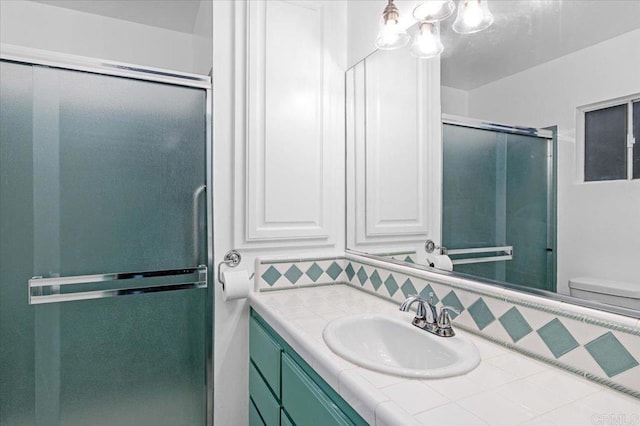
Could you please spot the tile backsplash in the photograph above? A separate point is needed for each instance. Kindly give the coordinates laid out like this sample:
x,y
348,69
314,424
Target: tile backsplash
x,y
287,273
601,347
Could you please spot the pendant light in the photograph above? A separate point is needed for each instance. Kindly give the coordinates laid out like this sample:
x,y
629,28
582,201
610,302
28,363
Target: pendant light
x,y
391,36
426,43
473,16
433,10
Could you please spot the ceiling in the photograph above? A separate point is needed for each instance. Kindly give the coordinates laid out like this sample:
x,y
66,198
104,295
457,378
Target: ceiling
x,y
176,15
525,32
528,33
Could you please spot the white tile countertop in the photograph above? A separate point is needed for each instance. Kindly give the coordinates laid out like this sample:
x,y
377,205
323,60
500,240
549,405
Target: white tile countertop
x,y
507,388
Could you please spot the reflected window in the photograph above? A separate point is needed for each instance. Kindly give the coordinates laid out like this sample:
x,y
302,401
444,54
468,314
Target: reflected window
x,y
636,136
609,152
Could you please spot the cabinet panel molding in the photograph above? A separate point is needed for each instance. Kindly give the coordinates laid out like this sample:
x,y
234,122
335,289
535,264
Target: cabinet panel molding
x,y
290,132
394,152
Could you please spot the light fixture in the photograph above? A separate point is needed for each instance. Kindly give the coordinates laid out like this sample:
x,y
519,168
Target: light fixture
x,y
473,16
391,36
426,43
433,10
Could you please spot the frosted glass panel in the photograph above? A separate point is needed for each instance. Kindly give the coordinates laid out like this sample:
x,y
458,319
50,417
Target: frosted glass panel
x,y
496,193
473,194
17,381
135,360
101,175
526,218
132,157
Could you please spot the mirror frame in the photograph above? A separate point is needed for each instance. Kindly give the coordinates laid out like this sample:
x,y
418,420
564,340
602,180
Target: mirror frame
x,y
599,306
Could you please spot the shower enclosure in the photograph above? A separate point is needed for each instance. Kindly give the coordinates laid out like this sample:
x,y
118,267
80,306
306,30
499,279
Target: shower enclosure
x,y
499,201
105,300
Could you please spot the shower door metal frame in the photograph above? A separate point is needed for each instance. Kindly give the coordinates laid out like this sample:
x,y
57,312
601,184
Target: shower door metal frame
x,y
551,141
28,56
457,120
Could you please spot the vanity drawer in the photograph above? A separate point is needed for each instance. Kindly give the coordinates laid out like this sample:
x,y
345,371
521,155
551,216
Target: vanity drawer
x,y
254,416
265,353
304,401
265,403
284,419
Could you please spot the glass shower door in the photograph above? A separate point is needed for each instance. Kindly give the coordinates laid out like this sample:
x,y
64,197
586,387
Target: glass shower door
x,y
497,192
473,195
102,175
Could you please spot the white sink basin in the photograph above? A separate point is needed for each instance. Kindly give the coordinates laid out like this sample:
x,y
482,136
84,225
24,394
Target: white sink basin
x,y
391,344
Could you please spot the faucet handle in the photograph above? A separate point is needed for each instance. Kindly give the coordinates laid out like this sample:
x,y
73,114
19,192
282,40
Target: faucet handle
x,y
444,320
421,310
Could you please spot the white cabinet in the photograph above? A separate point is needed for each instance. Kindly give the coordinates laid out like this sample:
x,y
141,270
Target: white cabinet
x,y
393,151
289,123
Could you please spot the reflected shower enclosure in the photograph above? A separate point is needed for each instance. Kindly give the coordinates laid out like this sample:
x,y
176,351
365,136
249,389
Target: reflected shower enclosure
x,y
498,190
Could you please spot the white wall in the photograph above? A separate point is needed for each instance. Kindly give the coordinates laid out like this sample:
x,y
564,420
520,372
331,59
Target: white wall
x,y
269,161
598,226
454,101
203,38
45,27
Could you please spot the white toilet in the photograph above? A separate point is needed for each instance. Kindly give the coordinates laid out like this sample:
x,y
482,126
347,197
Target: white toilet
x,y
616,293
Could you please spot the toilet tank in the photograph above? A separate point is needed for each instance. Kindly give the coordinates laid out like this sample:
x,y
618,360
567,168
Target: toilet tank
x,y
616,293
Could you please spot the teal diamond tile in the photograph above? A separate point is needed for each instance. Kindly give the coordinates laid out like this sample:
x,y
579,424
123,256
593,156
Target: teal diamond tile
x,y
408,259
350,272
408,288
427,294
515,324
362,276
557,338
334,271
314,272
391,285
293,274
271,275
376,280
452,300
610,354
481,314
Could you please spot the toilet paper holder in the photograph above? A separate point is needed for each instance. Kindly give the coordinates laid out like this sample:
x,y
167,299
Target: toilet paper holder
x,y
430,246
231,259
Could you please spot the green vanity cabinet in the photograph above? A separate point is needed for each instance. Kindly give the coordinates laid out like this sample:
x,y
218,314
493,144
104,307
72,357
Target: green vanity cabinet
x,y
266,403
284,419
254,416
285,390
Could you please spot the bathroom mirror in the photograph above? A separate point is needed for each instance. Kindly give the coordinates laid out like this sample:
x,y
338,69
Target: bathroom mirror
x,y
483,151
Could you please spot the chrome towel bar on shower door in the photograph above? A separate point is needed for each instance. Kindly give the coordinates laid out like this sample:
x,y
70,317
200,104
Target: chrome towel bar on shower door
x,y
48,290
507,254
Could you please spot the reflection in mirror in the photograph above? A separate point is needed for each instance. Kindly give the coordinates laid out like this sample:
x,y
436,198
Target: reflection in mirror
x,y
498,190
515,202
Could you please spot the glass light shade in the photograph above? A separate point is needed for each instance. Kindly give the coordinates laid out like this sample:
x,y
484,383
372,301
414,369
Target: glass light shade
x,y
433,10
473,16
391,36
426,43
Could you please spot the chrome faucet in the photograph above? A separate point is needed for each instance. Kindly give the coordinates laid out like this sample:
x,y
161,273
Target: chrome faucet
x,y
427,317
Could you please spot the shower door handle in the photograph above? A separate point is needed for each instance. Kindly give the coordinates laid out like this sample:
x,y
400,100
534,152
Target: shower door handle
x,y
66,289
196,221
